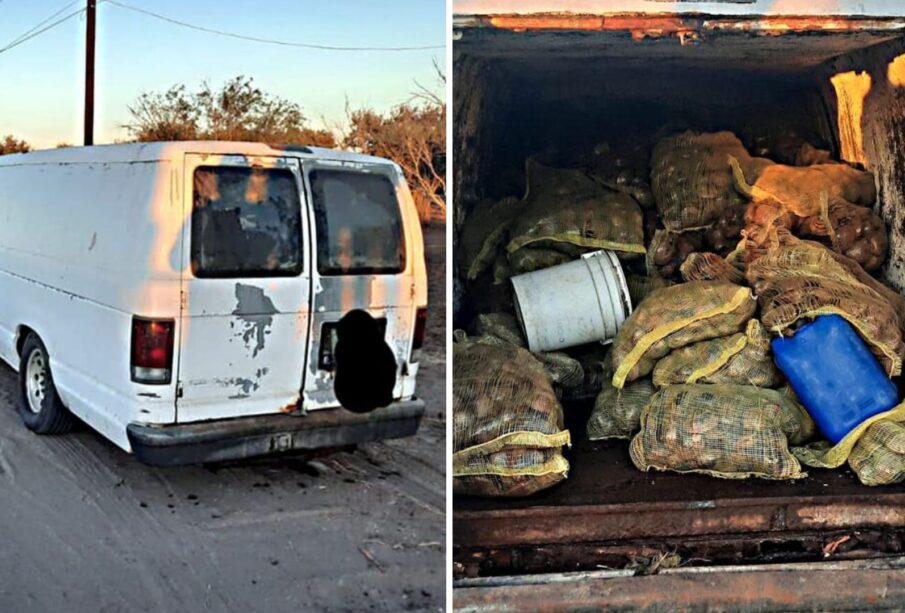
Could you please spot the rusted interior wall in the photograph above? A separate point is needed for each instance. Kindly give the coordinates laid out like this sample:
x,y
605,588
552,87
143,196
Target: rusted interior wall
x,y
477,93
479,88
883,128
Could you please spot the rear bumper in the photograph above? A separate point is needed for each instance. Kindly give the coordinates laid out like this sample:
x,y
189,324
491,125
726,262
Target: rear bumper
x,y
246,437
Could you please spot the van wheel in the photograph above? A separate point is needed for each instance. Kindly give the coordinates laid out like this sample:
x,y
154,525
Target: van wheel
x,y
39,405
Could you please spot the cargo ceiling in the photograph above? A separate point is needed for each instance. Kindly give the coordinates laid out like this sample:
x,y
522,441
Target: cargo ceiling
x,y
551,42
731,7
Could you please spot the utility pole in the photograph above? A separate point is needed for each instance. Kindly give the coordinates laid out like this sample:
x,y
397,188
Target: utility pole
x,y
89,73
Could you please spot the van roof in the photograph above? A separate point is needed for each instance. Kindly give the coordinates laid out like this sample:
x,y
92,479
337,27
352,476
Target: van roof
x,y
150,152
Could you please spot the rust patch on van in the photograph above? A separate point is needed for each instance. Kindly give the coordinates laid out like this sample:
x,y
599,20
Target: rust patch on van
x,y
255,310
291,407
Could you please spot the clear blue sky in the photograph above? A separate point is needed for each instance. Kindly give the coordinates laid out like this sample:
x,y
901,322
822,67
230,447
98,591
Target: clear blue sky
x,y
41,81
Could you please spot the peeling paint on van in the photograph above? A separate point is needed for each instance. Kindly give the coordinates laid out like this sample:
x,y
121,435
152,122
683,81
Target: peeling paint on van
x,y
256,312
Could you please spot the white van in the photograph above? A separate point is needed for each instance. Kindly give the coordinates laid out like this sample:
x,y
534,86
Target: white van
x,y
182,298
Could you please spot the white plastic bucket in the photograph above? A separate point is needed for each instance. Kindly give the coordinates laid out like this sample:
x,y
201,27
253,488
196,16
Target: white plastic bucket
x,y
574,303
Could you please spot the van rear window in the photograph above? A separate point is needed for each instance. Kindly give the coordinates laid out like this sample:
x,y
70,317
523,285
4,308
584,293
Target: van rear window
x,y
359,224
246,222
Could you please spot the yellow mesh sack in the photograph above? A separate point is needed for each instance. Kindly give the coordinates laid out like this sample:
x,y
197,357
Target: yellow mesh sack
x,y
710,267
502,270
727,431
691,178
640,286
503,326
786,301
668,250
878,458
676,316
507,422
800,189
561,368
740,358
857,271
787,255
594,362
617,412
529,259
822,455
797,280
485,235
566,206
855,231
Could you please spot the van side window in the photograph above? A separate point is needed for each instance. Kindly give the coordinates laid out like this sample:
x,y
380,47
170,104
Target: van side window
x,y
359,223
246,222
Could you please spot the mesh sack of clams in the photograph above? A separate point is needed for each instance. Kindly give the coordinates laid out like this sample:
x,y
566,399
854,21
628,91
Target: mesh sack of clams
x,y
878,457
617,412
676,316
739,358
485,235
668,250
710,267
594,362
529,259
562,369
764,219
798,280
627,170
508,429
723,235
691,178
800,189
792,299
566,207
823,454
728,431
503,326
641,286
854,231
785,255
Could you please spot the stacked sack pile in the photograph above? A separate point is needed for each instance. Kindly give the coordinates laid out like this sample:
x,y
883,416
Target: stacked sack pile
x,y
694,381
723,252
510,443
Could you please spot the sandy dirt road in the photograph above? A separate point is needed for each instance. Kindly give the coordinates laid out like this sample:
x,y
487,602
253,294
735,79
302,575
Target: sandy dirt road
x,y
84,527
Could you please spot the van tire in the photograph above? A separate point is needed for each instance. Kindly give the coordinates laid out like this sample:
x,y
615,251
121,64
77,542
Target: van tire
x,y
52,417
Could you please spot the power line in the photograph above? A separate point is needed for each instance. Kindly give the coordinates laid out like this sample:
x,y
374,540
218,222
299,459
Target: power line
x,y
24,39
41,23
267,40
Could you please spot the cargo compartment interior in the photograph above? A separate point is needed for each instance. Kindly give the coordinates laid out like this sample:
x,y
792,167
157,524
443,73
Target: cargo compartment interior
x,y
561,93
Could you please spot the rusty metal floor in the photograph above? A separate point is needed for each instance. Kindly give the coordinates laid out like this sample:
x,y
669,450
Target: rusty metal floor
x,y
608,510
602,473
876,585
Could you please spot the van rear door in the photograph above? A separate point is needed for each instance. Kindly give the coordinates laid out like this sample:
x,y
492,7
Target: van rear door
x,y
366,256
246,287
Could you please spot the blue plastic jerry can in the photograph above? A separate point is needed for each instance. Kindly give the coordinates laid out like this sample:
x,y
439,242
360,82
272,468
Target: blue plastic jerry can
x,y
834,374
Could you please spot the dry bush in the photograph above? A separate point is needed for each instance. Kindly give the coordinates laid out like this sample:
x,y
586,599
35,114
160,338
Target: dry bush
x,y
413,134
10,144
238,111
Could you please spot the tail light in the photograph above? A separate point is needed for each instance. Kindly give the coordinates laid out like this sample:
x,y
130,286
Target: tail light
x,y
420,327
152,350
